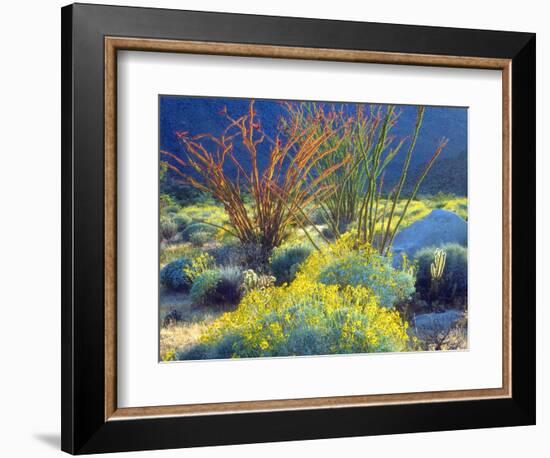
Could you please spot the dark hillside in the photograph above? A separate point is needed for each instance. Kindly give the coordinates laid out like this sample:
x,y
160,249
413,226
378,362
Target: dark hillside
x,y
198,115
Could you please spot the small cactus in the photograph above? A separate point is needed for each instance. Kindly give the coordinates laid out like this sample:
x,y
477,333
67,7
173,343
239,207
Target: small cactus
x,y
251,280
437,267
265,281
436,270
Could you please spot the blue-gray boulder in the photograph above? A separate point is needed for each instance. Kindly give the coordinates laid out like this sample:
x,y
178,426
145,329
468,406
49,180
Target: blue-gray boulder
x,y
438,228
434,323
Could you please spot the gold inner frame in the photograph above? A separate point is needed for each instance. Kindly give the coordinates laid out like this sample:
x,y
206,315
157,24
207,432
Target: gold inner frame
x,y
114,44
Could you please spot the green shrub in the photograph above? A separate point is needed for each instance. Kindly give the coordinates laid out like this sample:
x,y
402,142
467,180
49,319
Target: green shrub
x,y
285,262
229,286
217,287
223,349
197,227
452,288
303,318
198,265
226,254
173,209
168,228
168,204
182,221
203,291
199,238
173,276
247,255
195,352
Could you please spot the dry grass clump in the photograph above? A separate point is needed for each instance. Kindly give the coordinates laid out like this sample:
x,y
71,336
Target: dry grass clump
x,y
181,335
178,335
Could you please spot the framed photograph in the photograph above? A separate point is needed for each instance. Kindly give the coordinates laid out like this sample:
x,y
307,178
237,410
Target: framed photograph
x,y
281,229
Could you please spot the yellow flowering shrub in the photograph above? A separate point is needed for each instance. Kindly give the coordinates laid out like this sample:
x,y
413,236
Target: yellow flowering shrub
x,y
303,318
169,355
198,266
458,205
346,263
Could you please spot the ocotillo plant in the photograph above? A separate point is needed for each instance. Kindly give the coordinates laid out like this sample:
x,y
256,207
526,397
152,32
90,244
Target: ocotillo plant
x,y
339,208
384,242
359,186
282,194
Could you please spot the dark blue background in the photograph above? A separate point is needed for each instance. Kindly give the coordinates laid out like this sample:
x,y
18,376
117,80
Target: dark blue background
x,y
199,115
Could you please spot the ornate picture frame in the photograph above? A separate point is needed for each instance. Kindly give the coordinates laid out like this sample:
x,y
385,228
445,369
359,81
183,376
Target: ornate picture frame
x,y
92,37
